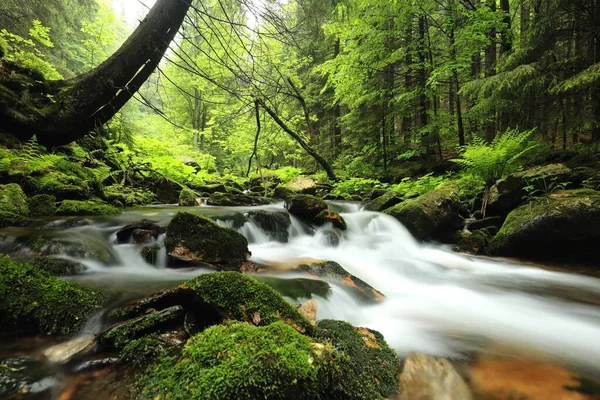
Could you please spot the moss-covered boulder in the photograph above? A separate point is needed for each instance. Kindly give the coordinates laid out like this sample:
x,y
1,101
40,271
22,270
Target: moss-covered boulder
x,y
305,206
234,200
476,242
187,198
13,205
241,361
195,240
89,207
282,192
35,302
63,186
330,216
150,254
56,266
562,225
42,205
383,202
127,195
369,369
433,216
274,224
242,298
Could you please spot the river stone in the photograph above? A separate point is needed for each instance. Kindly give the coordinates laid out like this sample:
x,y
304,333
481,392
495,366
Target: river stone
x,y
303,185
564,224
474,225
508,192
195,240
383,202
429,378
274,224
13,205
65,352
187,198
433,216
305,206
332,217
125,233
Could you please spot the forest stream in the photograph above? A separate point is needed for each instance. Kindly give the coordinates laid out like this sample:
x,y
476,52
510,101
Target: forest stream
x,y
530,325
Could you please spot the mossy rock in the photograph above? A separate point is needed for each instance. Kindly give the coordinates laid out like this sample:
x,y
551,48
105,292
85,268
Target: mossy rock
x,y
383,202
187,198
63,186
150,254
330,216
35,302
234,200
562,225
89,207
241,361
476,242
432,216
369,370
42,205
243,298
274,224
195,240
128,196
305,206
13,205
58,266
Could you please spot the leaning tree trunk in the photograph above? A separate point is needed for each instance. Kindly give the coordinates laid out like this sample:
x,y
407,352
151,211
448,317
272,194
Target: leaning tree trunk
x,y
64,111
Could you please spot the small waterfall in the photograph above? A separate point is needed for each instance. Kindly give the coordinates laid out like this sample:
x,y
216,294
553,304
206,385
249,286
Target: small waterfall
x,y
253,233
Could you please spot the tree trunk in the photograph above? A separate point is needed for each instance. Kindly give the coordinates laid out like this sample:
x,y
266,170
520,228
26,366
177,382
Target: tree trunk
x,y
491,56
596,91
88,101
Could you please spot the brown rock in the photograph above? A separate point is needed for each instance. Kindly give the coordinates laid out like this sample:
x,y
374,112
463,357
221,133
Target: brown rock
x,y
309,311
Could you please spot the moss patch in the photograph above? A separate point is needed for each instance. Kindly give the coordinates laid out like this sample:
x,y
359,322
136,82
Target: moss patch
x,y
35,302
13,205
240,361
187,198
42,205
58,266
243,298
90,207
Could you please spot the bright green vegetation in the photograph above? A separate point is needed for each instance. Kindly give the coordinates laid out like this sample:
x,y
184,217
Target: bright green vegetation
x,y
197,239
42,205
35,302
13,205
89,207
57,266
243,298
242,361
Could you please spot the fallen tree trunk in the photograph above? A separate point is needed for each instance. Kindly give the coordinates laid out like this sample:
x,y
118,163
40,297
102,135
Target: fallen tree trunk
x,y
62,111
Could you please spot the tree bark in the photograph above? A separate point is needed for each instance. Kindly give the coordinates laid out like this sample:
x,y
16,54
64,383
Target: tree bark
x,y
88,101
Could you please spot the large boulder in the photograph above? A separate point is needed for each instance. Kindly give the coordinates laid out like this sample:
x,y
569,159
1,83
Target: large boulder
x,y
42,205
384,201
561,225
305,206
508,192
187,198
37,303
13,205
432,216
425,377
137,230
274,224
195,240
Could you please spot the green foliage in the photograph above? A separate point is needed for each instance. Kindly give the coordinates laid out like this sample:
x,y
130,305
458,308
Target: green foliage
x,y
286,174
542,185
89,207
241,361
497,159
410,188
356,186
35,302
13,205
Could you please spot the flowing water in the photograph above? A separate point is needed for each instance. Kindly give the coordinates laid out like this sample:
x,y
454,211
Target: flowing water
x,y
436,301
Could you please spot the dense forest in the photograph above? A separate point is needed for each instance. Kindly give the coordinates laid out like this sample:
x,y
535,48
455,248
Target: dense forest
x,y
373,158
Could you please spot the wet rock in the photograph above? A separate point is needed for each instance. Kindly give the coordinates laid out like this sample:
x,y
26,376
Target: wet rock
x,y
232,221
309,310
562,225
157,301
370,367
142,236
274,224
297,289
331,269
58,266
22,375
168,192
474,225
187,198
66,352
35,302
150,254
116,337
386,200
42,205
124,235
281,192
93,365
425,377
508,192
13,205
195,240
333,217
377,193
476,242
305,206
432,216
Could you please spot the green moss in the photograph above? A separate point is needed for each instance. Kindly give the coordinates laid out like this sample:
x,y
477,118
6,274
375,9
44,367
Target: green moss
x,y
63,186
145,352
57,266
193,238
150,254
90,207
305,206
187,198
128,196
241,361
42,205
383,202
35,302
298,288
243,298
370,368
13,205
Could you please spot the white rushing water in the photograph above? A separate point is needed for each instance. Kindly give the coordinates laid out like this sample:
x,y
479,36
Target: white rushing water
x,y
437,302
